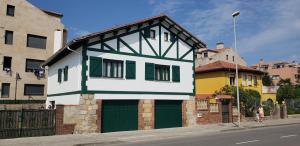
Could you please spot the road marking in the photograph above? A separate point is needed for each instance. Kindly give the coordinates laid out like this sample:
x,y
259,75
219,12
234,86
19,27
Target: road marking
x,y
287,136
250,141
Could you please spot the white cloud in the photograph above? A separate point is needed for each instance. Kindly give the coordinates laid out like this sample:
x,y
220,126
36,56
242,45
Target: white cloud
x,y
78,32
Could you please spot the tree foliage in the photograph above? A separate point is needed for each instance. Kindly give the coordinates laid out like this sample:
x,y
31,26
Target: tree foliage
x,y
286,90
266,80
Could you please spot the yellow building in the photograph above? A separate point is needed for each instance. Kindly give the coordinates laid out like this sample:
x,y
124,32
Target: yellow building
x,y
211,78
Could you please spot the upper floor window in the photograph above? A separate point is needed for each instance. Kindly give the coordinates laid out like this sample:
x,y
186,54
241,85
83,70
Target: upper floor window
x,y
162,72
152,34
5,90
34,89
233,58
8,38
232,80
10,10
7,63
112,68
166,36
244,81
249,80
36,41
32,65
255,80
205,54
227,57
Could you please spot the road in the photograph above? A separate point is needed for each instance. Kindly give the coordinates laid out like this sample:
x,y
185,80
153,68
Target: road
x,y
271,136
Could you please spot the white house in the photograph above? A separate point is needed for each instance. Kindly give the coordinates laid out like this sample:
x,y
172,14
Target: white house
x,y
150,61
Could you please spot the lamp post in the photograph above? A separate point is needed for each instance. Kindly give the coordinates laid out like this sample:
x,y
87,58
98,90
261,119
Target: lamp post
x,y
234,15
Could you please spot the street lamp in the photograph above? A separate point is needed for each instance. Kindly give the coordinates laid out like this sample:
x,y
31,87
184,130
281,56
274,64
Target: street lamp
x,y
17,78
234,15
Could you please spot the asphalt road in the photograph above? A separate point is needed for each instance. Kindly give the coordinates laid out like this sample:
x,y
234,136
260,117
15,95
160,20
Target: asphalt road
x,y
271,136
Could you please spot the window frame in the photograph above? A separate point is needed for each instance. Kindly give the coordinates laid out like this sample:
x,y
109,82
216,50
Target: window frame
x,y
8,7
111,70
5,63
2,89
27,59
249,82
152,32
41,85
203,107
6,41
230,76
166,36
216,105
36,36
164,72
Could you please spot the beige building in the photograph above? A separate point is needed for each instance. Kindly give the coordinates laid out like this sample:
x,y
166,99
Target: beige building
x,y
280,70
29,36
220,53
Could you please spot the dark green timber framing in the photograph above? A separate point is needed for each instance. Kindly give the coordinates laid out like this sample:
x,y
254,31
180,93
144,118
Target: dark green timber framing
x,y
169,48
159,32
84,68
194,76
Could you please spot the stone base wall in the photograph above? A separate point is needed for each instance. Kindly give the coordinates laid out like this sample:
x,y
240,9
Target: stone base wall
x,y
146,114
189,110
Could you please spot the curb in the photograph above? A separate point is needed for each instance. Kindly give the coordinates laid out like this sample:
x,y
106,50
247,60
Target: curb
x,y
256,127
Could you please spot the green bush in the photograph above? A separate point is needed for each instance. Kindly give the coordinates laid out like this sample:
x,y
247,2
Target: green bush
x,y
267,110
291,111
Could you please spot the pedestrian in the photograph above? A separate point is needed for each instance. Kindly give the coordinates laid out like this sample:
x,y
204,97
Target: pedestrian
x,y
261,113
257,115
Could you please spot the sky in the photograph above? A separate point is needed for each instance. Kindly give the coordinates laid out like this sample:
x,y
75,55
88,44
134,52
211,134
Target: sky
x,y
268,29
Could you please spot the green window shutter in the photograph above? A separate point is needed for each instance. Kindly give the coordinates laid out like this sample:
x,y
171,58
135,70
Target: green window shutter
x,y
175,73
172,37
149,71
130,69
66,73
147,33
59,75
95,66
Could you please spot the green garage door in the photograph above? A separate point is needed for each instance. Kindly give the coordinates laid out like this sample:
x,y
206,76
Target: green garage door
x,y
119,115
168,113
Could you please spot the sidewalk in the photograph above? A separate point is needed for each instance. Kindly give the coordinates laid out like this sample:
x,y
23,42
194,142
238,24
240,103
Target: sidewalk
x,y
142,135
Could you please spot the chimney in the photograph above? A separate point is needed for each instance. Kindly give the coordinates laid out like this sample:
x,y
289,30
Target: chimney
x,y
220,45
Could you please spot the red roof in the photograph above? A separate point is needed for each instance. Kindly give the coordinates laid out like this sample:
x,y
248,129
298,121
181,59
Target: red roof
x,y
224,66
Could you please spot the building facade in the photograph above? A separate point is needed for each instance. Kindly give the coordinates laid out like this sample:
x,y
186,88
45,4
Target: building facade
x,y
280,70
135,76
211,78
30,36
220,53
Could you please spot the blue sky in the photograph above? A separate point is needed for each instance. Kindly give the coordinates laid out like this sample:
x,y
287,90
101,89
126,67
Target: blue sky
x,y
268,29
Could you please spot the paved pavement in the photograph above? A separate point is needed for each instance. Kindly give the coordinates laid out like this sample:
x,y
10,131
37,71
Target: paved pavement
x,y
130,137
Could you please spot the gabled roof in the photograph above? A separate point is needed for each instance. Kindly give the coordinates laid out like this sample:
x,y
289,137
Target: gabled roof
x,y
52,13
224,66
163,18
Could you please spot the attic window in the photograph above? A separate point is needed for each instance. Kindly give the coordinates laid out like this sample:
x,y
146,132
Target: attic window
x,y
205,55
166,36
152,34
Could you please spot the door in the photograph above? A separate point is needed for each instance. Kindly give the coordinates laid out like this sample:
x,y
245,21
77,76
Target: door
x,y
119,115
168,113
225,111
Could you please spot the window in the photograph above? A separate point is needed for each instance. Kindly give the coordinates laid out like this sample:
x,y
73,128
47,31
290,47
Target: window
x,y
233,58
275,77
130,69
9,36
147,33
205,55
213,107
35,41
172,37
66,73
249,80
175,73
227,57
32,64
166,36
232,80
112,68
201,104
255,80
244,82
34,89
152,34
7,63
10,10
162,72
5,90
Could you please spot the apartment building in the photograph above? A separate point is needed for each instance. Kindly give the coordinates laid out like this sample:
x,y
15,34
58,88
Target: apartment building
x,y
280,70
220,53
29,35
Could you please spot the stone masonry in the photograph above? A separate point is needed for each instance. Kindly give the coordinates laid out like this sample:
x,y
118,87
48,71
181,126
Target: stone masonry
x,y
146,114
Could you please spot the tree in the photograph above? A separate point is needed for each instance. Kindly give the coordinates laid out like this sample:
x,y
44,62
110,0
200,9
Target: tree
x,y
266,80
284,82
285,91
